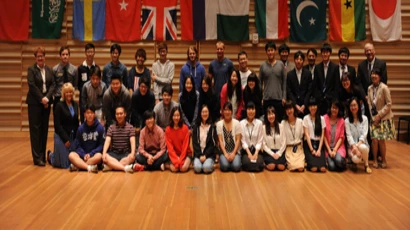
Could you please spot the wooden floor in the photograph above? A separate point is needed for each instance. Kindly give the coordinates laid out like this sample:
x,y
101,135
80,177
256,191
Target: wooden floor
x,y
47,198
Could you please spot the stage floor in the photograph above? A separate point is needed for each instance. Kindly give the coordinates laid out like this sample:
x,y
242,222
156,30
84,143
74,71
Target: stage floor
x,y
47,198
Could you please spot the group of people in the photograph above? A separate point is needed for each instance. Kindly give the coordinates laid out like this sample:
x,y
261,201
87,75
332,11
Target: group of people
x,y
290,116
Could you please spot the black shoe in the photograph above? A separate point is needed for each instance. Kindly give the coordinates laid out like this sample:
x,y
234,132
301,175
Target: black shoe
x,y
40,163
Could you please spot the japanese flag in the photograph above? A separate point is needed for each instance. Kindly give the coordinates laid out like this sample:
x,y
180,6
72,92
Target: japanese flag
x,y
385,20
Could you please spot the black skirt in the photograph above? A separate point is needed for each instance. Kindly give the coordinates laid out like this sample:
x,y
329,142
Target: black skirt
x,y
314,161
270,160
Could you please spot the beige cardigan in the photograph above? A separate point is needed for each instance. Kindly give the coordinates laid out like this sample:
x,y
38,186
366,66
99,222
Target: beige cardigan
x,y
383,101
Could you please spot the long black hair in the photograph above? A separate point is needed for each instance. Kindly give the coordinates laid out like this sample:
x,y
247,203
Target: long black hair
x,y
359,111
318,122
271,109
210,91
256,90
237,88
188,96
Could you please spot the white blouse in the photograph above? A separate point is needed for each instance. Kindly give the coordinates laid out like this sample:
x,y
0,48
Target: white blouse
x,y
308,123
293,133
252,134
357,132
274,141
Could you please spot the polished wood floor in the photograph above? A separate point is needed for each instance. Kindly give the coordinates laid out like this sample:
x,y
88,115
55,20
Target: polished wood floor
x,y
48,198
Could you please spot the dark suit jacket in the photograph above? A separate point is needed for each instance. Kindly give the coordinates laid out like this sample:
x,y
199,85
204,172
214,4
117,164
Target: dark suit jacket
x,y
363,73
299,93
35,85
64,123
325,87
351,70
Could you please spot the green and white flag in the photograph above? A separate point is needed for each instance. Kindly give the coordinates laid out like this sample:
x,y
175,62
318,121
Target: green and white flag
x,y
47,17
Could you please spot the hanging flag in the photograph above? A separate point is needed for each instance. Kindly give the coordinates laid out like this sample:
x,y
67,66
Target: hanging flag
x,y
47,17
159,20
385,20
192,19
215,19
271,18
14,21
307,20
233,20
89,20
347,20
123,20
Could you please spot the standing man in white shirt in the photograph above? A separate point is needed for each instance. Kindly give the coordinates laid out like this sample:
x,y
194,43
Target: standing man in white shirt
x,y
162,72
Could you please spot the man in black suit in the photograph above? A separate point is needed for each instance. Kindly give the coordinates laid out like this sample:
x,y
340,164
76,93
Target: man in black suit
x,y
344,54
311,57
325,81
298,85
41,85
365,67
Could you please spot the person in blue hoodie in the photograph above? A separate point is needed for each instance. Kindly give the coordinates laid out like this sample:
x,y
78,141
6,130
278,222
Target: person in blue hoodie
x,y
88,144
192,68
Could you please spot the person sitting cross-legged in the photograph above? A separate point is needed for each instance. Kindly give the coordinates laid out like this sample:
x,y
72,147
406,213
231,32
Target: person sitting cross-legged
x,y
88,143
152,149
119,146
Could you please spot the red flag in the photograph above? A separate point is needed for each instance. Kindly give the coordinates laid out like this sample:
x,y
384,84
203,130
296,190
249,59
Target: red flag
x,y
159,20
385,20
14,20
123,20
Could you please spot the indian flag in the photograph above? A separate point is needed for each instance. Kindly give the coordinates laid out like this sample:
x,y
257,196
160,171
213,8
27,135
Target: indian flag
x,y
347,20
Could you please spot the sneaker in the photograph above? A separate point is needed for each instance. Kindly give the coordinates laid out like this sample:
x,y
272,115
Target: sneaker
x,y
129,168
93,168
106,168
73,168
138,167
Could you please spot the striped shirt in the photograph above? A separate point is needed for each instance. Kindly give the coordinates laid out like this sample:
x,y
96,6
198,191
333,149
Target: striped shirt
x,y
120,137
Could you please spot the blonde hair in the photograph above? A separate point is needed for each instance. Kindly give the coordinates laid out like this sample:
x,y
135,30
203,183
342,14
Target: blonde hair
x,y
39,49
67,87
220,43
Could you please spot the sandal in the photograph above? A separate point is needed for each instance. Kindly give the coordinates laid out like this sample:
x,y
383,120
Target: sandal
x,y
375,164
384,165
367,169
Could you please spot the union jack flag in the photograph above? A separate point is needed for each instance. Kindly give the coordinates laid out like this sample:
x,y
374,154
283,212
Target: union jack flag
x,y
159,20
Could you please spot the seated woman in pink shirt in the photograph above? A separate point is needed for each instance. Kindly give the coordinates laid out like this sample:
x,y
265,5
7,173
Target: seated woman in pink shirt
x,y
335,138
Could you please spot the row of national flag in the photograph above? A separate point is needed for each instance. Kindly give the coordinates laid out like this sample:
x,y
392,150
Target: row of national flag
x,y
131,20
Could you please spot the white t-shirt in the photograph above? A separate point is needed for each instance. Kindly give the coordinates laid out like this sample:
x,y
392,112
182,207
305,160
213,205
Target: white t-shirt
x,y
308,123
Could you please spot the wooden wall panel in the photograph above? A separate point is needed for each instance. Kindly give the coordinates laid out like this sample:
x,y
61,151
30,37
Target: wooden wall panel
x,y
16,57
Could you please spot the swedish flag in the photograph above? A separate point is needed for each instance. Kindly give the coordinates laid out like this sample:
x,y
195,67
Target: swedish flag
x,y
89,20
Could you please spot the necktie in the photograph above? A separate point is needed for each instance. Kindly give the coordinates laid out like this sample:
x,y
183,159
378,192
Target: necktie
x,y
370,71
65,75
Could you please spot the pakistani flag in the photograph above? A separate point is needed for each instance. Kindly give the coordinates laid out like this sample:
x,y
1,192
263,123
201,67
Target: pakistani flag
x,y
47,17
308,20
